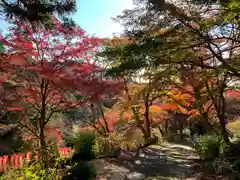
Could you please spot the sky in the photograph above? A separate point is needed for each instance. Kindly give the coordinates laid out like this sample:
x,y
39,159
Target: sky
x,y
94,16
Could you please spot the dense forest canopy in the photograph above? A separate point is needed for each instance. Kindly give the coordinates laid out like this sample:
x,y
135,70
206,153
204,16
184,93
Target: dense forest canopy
x,y
173,72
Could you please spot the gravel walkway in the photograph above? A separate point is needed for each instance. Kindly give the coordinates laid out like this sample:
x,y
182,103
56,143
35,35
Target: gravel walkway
x,y
165,162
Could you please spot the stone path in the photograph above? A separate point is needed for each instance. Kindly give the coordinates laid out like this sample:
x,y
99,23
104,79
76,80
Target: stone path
x,y
165,162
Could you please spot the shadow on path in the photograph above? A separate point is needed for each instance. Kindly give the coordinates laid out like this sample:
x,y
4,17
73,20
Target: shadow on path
x,y
168,161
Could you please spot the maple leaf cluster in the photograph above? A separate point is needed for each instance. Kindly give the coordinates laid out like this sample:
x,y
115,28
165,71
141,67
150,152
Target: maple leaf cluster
x,y
50,64
183,100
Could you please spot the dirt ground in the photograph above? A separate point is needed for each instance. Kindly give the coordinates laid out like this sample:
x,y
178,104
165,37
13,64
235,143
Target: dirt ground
x,y
162,162
165,162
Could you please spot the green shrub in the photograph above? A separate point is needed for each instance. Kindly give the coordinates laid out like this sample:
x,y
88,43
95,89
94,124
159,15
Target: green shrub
x,y
12,174
211,146
222,165
84,146
83,170
32,172
233,155
84,152
69,141
106,146
236,164
37,172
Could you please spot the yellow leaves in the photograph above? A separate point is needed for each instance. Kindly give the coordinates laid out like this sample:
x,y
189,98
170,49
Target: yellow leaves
x,y
182,100
177,101
194,112
135,88
179,96
182,109
157,113
124,40
121,112
185,96
133,97
155,109
174,107
118,41
159,32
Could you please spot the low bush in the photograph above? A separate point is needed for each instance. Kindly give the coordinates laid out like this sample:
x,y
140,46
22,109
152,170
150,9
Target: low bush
x,y
233,155
84,151
211,146
220,157
32,172
37,172
12,174
221,165
83,170
107,146
84,146
87,145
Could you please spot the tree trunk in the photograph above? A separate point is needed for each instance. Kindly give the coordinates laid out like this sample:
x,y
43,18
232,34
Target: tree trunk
x,y
224,130
42,123
43,147
222,117
166,129
146,118
135,111
161,131
147,142
181,128
107,131
220,107
222,111
44,159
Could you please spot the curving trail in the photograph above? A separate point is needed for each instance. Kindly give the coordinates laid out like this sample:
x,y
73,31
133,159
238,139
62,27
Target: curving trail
x,y
165,162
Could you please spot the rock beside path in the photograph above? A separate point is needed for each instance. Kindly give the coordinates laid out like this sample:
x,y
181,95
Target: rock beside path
x,y
135,176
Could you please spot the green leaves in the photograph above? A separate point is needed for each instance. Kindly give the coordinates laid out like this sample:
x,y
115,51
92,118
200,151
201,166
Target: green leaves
x,y
234,4
37,11
1,48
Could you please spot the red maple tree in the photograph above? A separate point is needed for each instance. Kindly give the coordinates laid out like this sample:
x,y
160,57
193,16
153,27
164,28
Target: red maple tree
x,y
53,70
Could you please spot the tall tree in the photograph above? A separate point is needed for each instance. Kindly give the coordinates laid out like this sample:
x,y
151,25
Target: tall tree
x,y
36,10
180,34
53,71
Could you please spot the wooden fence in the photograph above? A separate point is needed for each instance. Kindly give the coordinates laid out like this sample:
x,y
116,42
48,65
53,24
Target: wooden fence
x,y
18,160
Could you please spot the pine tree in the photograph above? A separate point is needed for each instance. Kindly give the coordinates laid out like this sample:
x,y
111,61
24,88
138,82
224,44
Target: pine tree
x,y
37,10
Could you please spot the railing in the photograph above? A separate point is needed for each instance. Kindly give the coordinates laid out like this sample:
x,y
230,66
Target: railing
x,y
18,160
